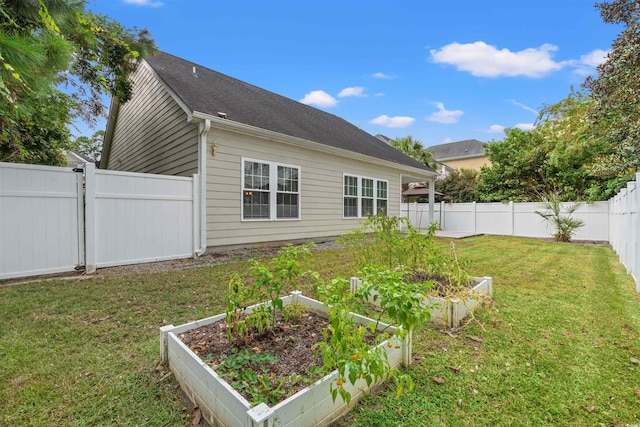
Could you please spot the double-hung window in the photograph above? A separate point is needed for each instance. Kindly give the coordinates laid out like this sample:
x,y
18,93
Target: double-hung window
x,y
271,191
364,197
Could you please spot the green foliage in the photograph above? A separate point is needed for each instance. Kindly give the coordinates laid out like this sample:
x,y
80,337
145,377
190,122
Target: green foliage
x,y
380,242
564,224
344,347
459,186
398,299
615,91
37,133
271,281
414,149
90,147
49,43
237,299
258,383
294,312
555,157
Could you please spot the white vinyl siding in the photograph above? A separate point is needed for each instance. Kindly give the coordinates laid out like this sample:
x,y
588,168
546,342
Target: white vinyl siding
x,y
270,191
152,134
364,197
320,192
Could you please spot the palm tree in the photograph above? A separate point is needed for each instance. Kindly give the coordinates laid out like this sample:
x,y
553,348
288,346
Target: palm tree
x,y
414,149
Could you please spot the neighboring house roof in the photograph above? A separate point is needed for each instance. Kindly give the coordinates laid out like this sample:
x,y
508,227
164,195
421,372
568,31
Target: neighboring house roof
x,y
384,138
75,158
468,148
206,91
418,191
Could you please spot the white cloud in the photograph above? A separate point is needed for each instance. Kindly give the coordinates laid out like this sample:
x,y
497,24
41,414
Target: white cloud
x,y
382,76
447,140
495,129
525,126
379,94
483,60
357,91
587,64
392,122
150,3
319,98
445,116
524,107
594,58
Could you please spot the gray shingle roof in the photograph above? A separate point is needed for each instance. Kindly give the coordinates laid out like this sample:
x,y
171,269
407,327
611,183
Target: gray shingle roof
x,y
210,92
457,150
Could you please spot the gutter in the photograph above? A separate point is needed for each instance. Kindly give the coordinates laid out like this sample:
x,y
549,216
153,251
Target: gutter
x,y
226,124
203,130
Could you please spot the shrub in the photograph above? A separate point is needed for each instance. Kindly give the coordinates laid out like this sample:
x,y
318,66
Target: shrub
x,y
564,224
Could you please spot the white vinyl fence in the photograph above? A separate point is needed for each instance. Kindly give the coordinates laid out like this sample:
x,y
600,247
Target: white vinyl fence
x,y
624,227
40,218
56,220
508,219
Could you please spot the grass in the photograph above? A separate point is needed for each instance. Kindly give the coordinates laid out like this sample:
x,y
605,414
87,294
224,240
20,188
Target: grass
x,y
554,348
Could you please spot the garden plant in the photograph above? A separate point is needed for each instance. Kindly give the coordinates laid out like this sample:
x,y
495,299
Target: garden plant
x,y
564,224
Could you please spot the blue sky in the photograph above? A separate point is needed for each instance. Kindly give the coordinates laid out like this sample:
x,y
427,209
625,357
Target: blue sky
x,y
440,71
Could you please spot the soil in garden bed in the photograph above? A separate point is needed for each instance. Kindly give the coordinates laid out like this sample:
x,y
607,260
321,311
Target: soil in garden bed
x,y
441,285
267,380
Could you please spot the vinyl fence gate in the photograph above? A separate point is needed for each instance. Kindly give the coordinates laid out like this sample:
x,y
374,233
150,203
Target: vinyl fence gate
x,y
55,219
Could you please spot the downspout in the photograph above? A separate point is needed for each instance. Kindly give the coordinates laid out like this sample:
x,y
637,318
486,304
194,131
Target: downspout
x,y
203,130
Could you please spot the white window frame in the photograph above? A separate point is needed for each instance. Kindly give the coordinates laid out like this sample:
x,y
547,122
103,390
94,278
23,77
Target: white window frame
x,y
359,196
273,190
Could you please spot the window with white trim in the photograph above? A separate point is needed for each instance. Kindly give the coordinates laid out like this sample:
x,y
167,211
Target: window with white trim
x,y
271,191
381,200
364,197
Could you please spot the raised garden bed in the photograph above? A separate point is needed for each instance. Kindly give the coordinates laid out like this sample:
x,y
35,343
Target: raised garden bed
x,y
221,405
450,312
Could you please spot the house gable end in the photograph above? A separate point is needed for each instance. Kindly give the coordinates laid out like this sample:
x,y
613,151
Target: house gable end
x,y
152,132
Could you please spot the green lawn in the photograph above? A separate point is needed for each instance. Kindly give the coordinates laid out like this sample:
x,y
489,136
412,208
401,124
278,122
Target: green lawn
x,y
555,348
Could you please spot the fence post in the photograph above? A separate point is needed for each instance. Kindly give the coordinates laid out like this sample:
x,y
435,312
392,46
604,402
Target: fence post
x,y
90,218
475,218
442,215
512,225
636,239
195,186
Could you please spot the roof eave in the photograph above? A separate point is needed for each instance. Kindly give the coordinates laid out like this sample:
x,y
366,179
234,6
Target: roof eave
x,y
304,143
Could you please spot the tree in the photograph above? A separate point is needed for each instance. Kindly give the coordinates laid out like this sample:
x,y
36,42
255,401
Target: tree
x,y
615,111
555,157
414,149
459,186
49,43
90,147
514,174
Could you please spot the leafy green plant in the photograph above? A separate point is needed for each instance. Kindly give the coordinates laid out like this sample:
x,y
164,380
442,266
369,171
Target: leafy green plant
x,y
378,240
271,281
236,304
381,242
563,223
350,348
399,300
250,373
346,350
294,312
